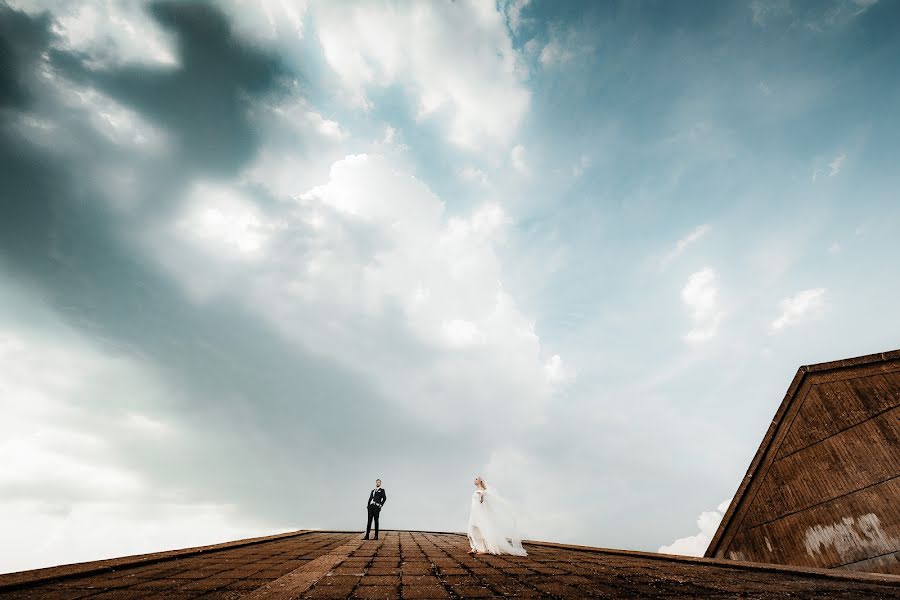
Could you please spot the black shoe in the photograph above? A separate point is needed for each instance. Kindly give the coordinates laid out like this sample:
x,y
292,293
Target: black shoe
x,y
367,537
376,537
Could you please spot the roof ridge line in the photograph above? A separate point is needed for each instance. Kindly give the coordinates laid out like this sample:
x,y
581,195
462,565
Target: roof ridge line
x,y
865,359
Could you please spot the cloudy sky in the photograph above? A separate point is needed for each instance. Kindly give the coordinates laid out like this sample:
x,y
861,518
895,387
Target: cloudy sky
x,y
255,254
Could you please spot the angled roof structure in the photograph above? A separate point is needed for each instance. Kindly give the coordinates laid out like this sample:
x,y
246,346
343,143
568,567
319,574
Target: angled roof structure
x,y
824,487
425,565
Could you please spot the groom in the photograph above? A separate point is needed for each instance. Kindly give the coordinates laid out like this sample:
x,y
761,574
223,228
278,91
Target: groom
x,y
377,498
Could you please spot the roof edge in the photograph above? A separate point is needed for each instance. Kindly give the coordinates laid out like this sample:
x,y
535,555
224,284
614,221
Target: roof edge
x,y
857,361
765,445
733,564
761,452
9,581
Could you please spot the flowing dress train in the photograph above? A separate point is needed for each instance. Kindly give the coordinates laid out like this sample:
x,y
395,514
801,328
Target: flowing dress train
x,y
492,525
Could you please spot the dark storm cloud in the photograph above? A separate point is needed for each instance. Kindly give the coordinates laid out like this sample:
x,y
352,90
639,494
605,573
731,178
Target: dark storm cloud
x,y
21,41
263,416
202,103
204,100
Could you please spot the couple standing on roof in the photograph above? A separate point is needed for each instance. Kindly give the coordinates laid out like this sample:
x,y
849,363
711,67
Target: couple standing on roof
x,y
492,527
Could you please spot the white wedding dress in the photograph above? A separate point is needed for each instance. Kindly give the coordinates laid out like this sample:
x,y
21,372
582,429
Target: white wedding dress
x,y
492,525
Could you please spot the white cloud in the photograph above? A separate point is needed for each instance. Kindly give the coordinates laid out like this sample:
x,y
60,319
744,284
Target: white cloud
x,y
558,373
836,15
298,116
389,134
864,4
513,10
107,32
65,494
554,54
44,387
831,169
48,533
834,167
517,158
371,253
443,271
695,545
473,174
219,233
764,10
285,167
487,221
559,49
29,460
460,333
584,161
682,244
221,220
455,59
801,305
267,20
701,297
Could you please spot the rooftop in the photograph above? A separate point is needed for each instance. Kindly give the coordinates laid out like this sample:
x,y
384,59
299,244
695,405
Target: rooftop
x,y
424,565
825,473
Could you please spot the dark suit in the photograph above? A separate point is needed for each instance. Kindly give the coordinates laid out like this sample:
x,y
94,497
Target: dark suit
x,y
377,498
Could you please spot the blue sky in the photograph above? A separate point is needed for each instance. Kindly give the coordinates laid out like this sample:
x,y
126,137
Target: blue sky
x,y
254,255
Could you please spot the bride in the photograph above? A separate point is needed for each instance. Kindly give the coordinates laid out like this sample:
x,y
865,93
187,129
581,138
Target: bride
x,y
492,524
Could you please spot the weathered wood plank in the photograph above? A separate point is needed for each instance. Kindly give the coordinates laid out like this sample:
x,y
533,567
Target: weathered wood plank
x,y
847,530
887,563
851,460
834,406
822,489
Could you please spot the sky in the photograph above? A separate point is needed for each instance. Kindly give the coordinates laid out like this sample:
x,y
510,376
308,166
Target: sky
x,y
254,255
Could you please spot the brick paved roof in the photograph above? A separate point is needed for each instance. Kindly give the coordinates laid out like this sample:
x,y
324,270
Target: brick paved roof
x,y
424,565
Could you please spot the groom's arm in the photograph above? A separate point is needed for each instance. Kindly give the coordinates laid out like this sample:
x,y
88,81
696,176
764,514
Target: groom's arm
x,y
384,497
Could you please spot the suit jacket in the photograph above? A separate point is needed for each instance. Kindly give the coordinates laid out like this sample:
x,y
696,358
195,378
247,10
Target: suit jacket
x,y
378,496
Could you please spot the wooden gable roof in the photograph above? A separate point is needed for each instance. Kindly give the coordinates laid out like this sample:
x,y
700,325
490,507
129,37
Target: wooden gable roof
x,y
824,487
